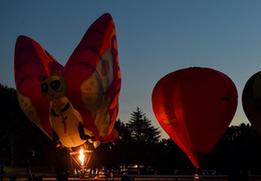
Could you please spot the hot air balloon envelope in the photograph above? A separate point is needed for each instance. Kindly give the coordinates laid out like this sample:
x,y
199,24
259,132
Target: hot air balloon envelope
x,y
195,106
78,101
251,100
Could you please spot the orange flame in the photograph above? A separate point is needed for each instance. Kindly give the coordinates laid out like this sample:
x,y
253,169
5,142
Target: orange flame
x,y
81,156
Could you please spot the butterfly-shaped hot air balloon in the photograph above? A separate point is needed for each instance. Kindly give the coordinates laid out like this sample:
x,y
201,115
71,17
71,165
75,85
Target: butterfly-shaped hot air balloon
x,y
195,106
78,101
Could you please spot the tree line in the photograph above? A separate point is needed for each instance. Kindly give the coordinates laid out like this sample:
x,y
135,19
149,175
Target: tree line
x,y
139,145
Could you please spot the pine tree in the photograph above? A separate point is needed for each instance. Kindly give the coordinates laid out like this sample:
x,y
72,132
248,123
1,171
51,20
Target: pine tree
x,y
141,128
144,138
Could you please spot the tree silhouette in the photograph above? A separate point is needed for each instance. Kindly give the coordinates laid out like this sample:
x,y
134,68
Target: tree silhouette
x,y
20,139
141,128
138,144
144,138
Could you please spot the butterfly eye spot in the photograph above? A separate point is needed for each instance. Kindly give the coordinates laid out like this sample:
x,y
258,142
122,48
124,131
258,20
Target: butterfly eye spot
x,y
44,87
55,85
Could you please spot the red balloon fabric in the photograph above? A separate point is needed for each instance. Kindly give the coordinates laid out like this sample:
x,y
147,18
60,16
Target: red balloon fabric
x,y
85,91
195,106
251,100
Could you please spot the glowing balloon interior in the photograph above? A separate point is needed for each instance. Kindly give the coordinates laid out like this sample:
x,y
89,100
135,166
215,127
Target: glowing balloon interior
x,y
251,100
195,106
78,101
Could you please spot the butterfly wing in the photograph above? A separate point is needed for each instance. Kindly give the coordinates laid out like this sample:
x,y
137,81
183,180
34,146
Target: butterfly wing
x,y
93,77
31,62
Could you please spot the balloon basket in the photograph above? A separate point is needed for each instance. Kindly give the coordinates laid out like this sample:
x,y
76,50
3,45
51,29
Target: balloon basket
x,y
81,156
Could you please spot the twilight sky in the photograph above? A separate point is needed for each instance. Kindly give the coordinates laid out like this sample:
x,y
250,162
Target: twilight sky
x,y
155,37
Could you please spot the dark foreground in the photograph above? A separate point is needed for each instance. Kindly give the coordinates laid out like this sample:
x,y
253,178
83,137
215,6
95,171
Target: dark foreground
x,y
140,178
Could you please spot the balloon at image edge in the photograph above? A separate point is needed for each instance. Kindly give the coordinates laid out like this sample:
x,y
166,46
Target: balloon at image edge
x,y
83,93
251,100
195,107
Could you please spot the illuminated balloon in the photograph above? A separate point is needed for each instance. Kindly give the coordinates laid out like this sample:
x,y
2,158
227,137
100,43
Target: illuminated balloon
x,y
78,101
251,100
195,106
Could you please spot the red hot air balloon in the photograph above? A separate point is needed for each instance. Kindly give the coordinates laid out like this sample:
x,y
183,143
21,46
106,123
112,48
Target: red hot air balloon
x,y
251,100
78,101
195,106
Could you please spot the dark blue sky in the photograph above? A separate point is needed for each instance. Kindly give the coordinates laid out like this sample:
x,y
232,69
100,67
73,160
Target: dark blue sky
x,y
155,37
